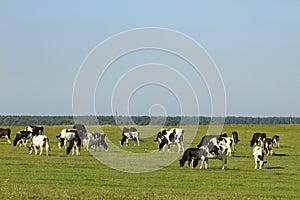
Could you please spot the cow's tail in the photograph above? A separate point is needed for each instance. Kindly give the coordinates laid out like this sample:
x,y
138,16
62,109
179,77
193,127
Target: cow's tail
x,y
46,140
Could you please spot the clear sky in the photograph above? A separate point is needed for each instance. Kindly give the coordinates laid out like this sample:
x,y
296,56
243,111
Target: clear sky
x,y
255,45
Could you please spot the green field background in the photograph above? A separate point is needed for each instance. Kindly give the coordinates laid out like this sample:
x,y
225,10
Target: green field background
x,y
61,176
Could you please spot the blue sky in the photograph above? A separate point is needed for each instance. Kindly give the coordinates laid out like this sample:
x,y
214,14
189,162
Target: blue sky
x,y
255,45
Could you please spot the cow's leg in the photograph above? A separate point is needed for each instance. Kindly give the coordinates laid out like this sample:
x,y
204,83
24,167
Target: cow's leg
x,y
35,150
182,146
229,151
138,141
179,147
223,162
206,163
8,140
126,142
255,162
47,148
169,147
41,149
201,165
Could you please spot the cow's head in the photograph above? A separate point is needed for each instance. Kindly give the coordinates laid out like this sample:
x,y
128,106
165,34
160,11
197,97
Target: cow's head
x,y
60,142
181,163
252,142
162,144
159,137
214,150
123,139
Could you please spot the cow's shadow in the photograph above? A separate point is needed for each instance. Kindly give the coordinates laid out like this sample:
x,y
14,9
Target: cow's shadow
x,y
276,167
280,154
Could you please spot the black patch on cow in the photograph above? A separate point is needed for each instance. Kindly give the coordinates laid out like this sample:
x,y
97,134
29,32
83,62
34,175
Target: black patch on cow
x,y
189,155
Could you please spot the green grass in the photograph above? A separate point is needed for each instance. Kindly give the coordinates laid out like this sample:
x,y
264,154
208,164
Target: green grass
x,y
59,176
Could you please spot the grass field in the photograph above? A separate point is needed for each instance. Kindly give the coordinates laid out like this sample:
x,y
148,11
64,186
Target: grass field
x,y
61,176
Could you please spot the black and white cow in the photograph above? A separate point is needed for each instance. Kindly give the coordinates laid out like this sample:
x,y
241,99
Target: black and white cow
x,y
268,146
258,155
174,136
256,138
22,137
207,138
75,144
95,140
218,140
26,134
5,133
130,134
189,155
205,152
64,136
235,137
275,140
38,142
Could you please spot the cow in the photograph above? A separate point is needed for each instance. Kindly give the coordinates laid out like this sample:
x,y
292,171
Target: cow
x,y
275,140
256,138
207,138
38,142
258,155
189,155
5,133
212,152
22,137
205,152
96,140
64,136
235,137
228,143
268,146
26,134
75,143
130,134
174,136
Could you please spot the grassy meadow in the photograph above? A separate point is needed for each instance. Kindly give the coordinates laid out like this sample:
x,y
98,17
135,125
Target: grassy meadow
x,y
61,176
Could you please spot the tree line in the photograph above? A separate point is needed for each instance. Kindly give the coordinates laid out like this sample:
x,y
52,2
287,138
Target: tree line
x,y
141,120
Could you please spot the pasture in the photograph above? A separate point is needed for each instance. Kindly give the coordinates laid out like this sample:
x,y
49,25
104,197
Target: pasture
x,y
61,176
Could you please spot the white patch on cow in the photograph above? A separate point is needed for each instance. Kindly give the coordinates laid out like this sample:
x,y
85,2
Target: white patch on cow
x,y
38,142
258,154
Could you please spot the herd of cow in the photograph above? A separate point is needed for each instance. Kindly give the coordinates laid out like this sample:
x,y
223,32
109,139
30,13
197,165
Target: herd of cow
x,y
210,146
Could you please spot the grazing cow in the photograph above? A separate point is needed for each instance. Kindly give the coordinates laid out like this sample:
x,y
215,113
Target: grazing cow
x,y
205,152
171,137
5,133
22,137
268,146
26,134
275,140
258,137
96,140
212,151
189,155
258,154
64,136
38,142
130,134
235,137
75,143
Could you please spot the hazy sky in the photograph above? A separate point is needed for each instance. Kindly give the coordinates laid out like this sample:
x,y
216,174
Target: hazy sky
x,y
254,44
